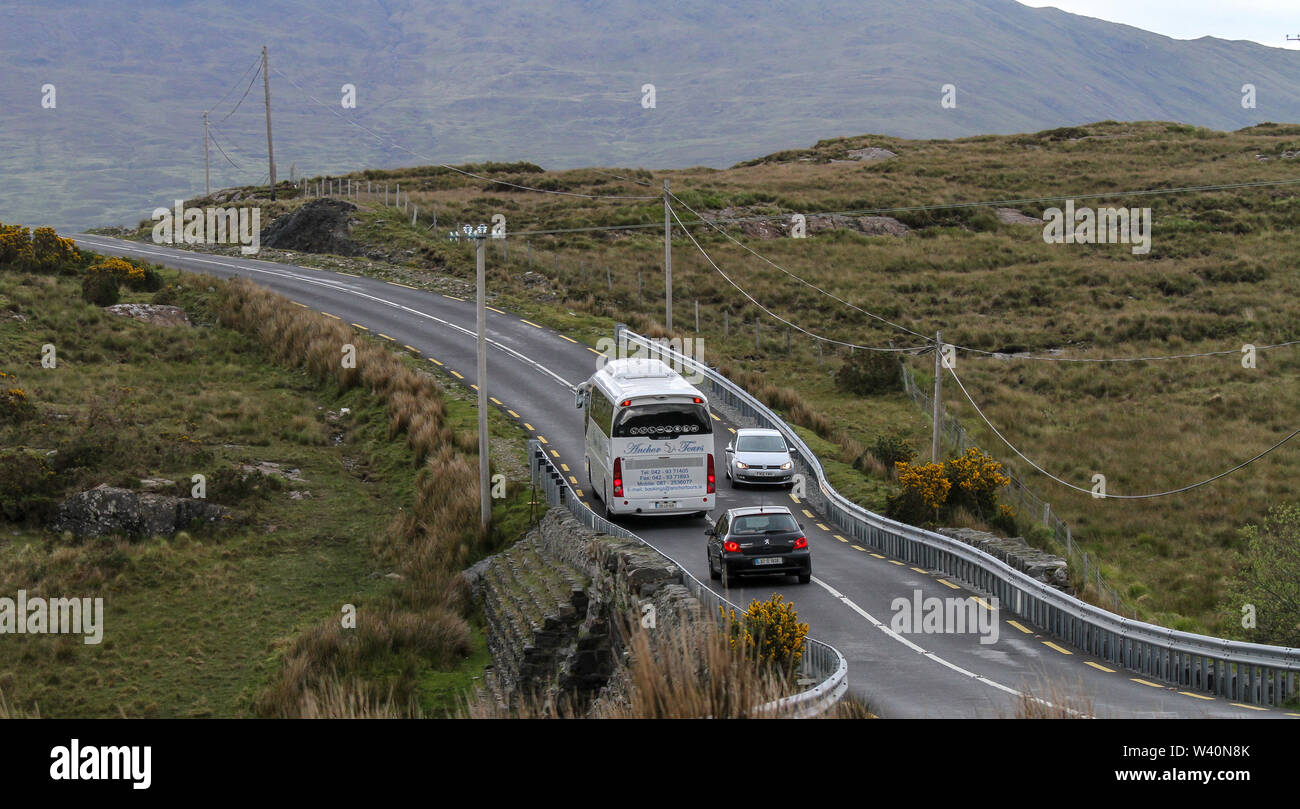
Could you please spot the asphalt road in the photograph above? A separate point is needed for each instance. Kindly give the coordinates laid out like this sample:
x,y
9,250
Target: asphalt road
x,y
531,372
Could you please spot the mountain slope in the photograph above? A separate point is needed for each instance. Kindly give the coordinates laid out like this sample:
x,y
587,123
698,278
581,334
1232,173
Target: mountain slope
x,y
560,86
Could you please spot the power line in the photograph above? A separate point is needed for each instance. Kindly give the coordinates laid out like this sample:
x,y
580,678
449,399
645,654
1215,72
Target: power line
x,y
769,312
213,138
797,278
233,86
245,95
431,161
1070,485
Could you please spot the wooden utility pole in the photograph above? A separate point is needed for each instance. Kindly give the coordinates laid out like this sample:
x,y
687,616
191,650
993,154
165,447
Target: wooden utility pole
x,y
938,391
270,152
207,176
668,266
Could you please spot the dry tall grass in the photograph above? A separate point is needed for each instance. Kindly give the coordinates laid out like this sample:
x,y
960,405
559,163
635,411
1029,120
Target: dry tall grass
x,y
324,666
8,711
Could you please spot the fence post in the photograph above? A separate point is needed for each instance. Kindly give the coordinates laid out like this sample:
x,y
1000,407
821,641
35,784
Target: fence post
x,y
726,327
697,315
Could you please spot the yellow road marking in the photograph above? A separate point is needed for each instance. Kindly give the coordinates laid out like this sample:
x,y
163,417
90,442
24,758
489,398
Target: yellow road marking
x,y
386,337
394,283
715,417
807,513
1247,707
579,493
950,584
1195,696
840,538
530,323
856,548
1293,714
556,454
981,602
435,362
411,348
878,556
303,305
895,562
528,427
594,351
1099,667
570,339
572,479
458,376
1146,682
918,570
1021,628
542,438
513,413
1051,645
731,430
794,497
335,317
565,467
823,526
475,387
498,311
495,400
349,274
359,326
453,297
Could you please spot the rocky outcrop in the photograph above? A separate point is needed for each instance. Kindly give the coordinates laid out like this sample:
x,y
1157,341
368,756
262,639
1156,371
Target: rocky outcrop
x,y
155,314
1010,216
106,510
556,604
870,154
320,226
1049,569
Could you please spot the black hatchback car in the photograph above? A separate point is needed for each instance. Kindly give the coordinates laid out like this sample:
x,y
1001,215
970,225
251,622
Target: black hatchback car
x,y
758,540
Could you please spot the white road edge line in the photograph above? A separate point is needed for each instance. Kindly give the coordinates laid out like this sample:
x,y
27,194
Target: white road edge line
x,y
339,287
836,594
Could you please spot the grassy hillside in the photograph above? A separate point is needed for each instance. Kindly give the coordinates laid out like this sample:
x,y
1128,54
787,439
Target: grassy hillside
x,y
1219,274
203,623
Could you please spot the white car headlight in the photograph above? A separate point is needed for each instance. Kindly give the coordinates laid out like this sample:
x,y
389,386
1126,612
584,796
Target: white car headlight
x,y
740,465
787,465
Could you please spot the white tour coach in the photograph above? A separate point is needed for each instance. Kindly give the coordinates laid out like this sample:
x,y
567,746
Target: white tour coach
x,y
649,439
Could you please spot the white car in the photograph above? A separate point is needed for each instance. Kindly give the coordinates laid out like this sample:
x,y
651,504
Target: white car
x,y
760,456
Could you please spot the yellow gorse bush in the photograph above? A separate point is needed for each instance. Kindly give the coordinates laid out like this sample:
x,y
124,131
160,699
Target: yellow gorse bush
x,y
770,630
978,474
118,268
927,480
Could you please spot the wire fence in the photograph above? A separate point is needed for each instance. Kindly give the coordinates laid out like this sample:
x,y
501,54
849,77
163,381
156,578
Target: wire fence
x,y
1085,570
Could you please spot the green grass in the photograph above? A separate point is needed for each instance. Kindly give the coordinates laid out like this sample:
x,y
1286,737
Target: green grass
x,y
1219,274
195,625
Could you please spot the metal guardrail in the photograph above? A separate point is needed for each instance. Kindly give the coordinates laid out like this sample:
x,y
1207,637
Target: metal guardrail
x,y
821,663
1252,673
1031,506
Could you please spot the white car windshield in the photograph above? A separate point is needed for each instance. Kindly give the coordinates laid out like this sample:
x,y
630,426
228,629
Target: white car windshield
x,y
760,443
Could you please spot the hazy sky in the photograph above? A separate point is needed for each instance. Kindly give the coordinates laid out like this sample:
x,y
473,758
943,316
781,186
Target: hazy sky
x,y
1267,22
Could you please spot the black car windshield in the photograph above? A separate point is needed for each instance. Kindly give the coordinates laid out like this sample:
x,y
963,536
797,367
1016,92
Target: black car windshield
x,y
760,443
763,524
662,421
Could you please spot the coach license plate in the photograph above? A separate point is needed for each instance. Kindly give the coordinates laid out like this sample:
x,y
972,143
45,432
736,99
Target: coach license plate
x,y
768,560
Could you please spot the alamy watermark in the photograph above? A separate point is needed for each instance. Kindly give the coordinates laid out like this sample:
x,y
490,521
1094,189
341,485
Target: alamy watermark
x,y
945,616
177,225
685,355
53,616
1102,226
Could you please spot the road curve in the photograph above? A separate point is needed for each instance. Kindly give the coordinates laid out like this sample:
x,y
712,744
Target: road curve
x,y
531,371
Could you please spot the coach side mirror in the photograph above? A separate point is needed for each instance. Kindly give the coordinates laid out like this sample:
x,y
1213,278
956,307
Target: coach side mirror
x,y
729,449
577,398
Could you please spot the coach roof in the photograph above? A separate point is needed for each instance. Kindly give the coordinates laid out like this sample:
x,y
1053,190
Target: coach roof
x,y
636,377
